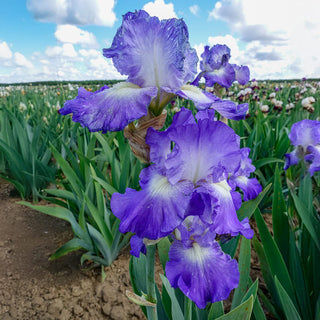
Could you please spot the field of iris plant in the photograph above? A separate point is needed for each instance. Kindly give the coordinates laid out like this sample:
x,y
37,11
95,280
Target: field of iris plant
x,y
182,164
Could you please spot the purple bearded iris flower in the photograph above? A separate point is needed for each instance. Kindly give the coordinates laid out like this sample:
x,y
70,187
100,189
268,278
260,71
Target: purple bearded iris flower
x,y
187,193
198,266
305,136
215,68
159,62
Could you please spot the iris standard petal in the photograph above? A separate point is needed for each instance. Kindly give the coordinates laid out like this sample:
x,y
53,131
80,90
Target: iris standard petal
x,y
242,74
153,52
199,148
305,133
224,76
156,210
203,274
110,109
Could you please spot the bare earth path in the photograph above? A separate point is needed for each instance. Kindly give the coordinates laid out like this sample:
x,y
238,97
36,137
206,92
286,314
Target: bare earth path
x,y
32,287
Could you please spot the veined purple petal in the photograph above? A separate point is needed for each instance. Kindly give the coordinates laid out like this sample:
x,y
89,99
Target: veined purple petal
x,y
242,74
110,109
214,58
305,133
199,148
203,274
202,99
231,110
153,52
250,187
313,158
224,76
156,210
224,217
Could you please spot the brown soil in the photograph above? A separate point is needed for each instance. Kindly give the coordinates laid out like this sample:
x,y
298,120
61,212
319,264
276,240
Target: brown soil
x,y
32,287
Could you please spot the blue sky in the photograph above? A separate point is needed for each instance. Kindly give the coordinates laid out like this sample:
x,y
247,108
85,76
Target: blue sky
x,y
63,39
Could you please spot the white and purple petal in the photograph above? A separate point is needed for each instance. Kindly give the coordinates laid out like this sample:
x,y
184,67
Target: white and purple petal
x,y
250,187
156,210
231,110
110,109
242,74
224,215
153,52
202,99
203,274
305,133
224,76
199,148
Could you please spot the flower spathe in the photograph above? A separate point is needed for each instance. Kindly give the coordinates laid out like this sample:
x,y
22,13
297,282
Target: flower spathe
x,y
157,58
187,192
305,136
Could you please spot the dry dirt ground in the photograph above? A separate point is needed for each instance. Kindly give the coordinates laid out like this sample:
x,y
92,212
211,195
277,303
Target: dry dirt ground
x,y
32,287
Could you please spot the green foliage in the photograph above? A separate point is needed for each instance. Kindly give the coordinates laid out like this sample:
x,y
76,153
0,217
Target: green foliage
x,y
25,157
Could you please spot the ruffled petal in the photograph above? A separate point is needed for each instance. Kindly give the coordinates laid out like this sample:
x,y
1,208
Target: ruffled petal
x,y
242,74
203,274
305,133
231,110
153,52
110,109
224,76
250,187
199,148
156,210
202,99
224,215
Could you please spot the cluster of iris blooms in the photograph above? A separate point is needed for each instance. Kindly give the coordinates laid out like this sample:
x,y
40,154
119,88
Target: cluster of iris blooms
x,y
190,190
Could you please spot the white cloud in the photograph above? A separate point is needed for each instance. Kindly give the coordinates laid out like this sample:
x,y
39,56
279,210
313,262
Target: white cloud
x,y
72,34
194,9
66,50
280,37
21,61
5,51
160,9
75,12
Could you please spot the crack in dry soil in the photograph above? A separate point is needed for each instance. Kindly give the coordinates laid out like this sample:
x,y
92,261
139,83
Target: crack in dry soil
x,y
32,287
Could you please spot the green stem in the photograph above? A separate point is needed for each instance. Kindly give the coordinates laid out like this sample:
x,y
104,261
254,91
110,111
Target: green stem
x,y
151,289
187,308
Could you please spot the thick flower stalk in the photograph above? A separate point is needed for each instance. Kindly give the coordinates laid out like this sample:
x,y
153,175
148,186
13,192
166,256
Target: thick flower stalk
x,y
159,62
305,136
190,192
